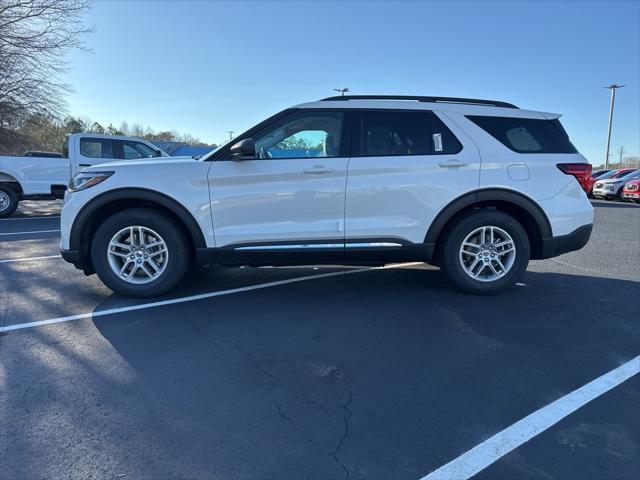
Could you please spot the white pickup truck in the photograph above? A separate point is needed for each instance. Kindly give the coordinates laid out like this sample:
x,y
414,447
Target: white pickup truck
x,y
46,178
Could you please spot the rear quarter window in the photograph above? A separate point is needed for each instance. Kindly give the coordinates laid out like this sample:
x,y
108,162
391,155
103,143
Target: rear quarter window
x,y
526,135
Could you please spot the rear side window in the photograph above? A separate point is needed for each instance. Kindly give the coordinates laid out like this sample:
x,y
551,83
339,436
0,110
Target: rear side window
x,y
392,133
96,148
527,135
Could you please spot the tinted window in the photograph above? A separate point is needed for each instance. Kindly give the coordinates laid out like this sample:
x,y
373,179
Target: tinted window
x,y
96,148
631,174
609,174
388,133
134,150
302,135
527,135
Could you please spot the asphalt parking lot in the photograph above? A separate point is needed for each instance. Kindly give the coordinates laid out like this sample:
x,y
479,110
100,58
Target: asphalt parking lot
x,y
289,373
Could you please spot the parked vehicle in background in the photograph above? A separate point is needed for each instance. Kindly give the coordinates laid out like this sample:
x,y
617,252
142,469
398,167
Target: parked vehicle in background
x,y
611,188
32,153
352,179
592,180
631,191
46,176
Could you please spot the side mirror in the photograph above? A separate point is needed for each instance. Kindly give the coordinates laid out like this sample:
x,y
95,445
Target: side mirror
x,y
243,150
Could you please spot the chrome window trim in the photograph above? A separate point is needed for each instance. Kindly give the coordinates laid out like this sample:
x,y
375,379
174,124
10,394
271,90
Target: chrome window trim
x,y
319,245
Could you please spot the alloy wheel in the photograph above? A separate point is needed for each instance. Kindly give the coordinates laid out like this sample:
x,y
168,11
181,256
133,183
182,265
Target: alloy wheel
x,y
137,255
5,201
487,254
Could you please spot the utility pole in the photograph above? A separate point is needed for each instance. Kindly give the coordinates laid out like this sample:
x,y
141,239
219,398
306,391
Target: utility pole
x,y
621,151
230,132
342,91
613,87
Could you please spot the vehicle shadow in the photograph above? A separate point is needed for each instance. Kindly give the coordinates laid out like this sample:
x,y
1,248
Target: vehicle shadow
x,y
613,204
358,372
31,208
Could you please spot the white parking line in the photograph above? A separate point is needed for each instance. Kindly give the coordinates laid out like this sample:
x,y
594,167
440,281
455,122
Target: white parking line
x,y
29,218
491,450
191,298
10,260
27,233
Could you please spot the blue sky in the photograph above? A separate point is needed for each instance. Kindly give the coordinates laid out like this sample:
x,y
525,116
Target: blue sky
x,y
208,67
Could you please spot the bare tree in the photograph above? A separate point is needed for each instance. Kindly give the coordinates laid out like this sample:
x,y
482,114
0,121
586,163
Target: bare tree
x,y
34,37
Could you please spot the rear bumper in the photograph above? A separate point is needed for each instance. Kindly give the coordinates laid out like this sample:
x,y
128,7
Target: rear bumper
x,y
554,246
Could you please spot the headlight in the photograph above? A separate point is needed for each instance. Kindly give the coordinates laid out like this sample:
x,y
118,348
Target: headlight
x,y
85,180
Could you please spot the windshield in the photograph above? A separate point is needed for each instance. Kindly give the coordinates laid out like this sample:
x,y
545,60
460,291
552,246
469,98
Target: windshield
x,y
613,174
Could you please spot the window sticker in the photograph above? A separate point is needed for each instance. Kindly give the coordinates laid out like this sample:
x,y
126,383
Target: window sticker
x,y
437,142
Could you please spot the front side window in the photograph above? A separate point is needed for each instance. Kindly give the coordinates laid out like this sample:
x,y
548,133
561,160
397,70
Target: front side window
x,y
302,135
96,148
526,135
135,150
389,133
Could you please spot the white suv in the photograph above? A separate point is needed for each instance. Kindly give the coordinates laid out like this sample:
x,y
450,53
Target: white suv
x,y
476,187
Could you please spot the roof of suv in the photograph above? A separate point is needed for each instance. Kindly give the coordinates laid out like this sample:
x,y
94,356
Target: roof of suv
x,y
465,106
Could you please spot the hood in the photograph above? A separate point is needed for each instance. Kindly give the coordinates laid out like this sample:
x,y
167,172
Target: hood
x,y
612,180
152,162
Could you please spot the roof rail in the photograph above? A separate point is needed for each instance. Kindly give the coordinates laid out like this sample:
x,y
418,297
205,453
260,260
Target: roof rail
x,y
467,101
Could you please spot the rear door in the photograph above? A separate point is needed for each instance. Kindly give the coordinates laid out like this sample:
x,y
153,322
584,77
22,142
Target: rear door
x,y
406,166
291,194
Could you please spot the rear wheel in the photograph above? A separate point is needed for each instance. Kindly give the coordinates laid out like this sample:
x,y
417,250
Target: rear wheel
x,y
8,201
485,252
140,252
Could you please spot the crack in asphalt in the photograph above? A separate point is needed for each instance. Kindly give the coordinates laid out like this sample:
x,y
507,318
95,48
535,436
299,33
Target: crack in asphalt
x,y
310,403
202,333
344,436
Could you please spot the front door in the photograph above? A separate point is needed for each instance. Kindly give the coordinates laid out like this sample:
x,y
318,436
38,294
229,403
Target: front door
x,y
292,194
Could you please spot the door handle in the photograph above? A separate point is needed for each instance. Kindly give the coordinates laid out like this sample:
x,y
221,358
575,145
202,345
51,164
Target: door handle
x,y
453,163
317,170
85,164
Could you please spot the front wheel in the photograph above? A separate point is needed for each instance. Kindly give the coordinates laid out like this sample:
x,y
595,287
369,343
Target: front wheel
x,y
140,252
485,252
8,201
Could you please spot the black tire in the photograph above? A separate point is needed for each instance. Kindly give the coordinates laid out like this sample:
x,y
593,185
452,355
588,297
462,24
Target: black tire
x,y
171,232
8,193
458,232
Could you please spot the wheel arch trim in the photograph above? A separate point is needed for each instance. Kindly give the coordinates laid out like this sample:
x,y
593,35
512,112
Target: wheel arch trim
x,y
152,196
487,195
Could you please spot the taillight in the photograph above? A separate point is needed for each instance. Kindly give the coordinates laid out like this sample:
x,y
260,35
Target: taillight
x,y
582,172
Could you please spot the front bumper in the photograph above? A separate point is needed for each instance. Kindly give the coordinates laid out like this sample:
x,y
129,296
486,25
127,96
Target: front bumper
x,y
604,192
554,246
